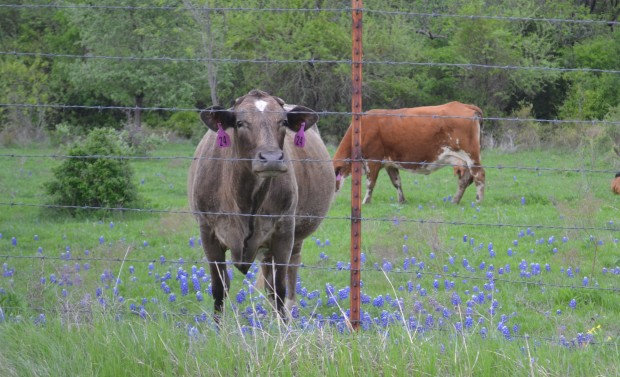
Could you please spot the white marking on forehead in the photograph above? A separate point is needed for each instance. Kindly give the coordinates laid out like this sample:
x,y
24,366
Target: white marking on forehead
x,y
260,104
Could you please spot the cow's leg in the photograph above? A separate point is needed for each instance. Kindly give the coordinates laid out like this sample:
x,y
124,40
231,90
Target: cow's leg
x,y
275,284
291,276
395,178
372,172
220,282
479,179
464,180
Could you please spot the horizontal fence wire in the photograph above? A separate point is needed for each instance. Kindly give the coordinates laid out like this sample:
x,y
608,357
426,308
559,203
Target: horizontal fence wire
x,y
309,160
367,10
306,61
413,272
320,113
396,219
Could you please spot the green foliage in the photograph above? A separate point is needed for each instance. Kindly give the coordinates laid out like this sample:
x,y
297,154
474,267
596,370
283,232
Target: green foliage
x,y
302,56
185,124
94,175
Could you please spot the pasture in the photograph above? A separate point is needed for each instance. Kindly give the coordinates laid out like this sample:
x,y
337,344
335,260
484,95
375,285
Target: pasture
x,y
525,283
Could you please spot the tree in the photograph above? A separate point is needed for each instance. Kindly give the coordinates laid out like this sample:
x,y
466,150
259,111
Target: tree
x,y
126,51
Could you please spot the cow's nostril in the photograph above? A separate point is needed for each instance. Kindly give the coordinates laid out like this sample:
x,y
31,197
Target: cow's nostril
x,y
271,156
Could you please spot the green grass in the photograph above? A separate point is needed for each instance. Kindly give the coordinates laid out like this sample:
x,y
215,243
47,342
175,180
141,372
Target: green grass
x,y
111,340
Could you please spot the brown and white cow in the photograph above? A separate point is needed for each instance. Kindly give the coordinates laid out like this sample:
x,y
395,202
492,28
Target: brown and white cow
x,y
421,140
253,193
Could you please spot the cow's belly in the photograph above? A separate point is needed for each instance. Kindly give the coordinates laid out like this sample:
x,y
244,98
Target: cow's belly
x,y
447,157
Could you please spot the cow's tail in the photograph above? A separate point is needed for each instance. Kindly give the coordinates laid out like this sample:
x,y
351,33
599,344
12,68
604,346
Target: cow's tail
x,y
479,116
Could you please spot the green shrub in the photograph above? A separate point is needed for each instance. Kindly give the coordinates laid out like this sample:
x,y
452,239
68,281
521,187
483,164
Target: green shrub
x,y
94,175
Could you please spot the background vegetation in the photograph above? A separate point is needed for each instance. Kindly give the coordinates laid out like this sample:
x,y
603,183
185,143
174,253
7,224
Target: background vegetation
x,y
192,53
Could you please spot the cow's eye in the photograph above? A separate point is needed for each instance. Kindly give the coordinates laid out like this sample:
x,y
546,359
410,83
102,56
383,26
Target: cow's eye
x,y
239,123
284,123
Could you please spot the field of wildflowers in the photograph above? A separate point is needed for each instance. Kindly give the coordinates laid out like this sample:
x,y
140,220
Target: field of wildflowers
x,y
526,283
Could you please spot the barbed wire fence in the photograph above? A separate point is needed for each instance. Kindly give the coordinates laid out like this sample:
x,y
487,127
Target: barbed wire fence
x,y
165,59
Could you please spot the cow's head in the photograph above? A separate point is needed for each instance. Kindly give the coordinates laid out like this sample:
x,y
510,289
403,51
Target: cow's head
x,y
342,169
259,122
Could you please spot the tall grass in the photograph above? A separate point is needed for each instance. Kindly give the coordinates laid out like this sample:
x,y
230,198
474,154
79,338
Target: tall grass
x,y
107,313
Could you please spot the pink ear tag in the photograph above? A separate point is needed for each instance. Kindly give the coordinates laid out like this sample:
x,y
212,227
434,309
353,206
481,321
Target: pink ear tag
x,y
300,137
223,140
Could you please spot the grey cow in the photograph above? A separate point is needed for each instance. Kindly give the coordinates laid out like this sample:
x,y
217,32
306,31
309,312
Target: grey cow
x,y
253,193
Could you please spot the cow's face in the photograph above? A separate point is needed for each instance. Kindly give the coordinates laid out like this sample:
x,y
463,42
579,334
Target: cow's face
x,y
342,169
259,122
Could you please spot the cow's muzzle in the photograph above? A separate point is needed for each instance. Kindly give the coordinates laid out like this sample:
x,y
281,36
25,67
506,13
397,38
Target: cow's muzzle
x,y
269,164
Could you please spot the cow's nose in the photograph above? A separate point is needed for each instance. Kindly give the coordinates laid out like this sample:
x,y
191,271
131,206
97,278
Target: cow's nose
x,y
271,156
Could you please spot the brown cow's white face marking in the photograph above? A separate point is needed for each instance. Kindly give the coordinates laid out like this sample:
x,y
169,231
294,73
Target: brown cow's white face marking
x,y
260,105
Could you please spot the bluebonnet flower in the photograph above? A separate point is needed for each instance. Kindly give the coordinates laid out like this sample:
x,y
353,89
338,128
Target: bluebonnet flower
x,y
331,301
365,298
469,322
343,293
585,281
456,299
323,256
506,332
314,294
101,240
192,242
241,295
509,252
572,304
429,321
196,282
432,255
378,301
410,286
41,319
184,285
422,292
145,243
329,289
172,297
446,313
387,266
406,264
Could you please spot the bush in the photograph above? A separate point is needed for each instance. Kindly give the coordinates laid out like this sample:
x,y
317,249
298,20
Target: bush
x,y
94,176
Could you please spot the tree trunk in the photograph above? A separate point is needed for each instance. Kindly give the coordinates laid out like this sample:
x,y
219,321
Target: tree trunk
x,y
137,113
203,18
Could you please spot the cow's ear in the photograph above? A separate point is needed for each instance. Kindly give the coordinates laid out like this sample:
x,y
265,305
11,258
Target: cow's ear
x,y
216,116
300,114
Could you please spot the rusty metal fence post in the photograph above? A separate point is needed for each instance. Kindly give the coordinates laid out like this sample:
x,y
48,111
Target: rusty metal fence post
x,y
356,168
